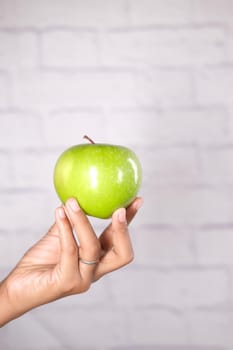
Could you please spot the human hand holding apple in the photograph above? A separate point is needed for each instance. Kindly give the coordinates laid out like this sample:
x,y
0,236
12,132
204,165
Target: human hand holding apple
x,y
102,177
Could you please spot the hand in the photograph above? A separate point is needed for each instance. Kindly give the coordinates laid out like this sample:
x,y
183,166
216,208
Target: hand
x,y
52,268
115,242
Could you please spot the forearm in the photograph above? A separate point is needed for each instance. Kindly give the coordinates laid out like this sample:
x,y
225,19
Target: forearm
x,y
7,312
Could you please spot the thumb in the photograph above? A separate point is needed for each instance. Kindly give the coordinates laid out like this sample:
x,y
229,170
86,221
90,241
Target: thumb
x,y
121,240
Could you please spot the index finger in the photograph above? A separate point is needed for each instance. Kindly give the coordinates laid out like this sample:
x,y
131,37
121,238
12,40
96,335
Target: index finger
x,y
89,246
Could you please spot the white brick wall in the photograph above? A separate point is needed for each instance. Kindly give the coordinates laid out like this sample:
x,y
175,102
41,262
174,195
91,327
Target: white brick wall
x,y
179,289
69,48
190,46
213,85
4,90
154,75
212,11
13,47
20,130
154,12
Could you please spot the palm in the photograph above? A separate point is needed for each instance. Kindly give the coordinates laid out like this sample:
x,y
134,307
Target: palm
x,y
46,252
38,269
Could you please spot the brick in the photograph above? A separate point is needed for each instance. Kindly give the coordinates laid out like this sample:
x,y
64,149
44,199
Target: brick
x,y
178,289
20,130
117,89
18,50
52,89
72,125
164,47
14,245
167,247
213,85
229,42
151,12
170,165
230,125
210,328
119,126
215,11
64,48
109,325
172,347
171,126
33,169
153,326
193,206
24,210
1,10
6,173
229,50
25,13
4,91
28,329
216,165
189,125
213,246
164,88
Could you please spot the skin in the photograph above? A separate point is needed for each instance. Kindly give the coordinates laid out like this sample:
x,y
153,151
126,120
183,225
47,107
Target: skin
x,y
51,269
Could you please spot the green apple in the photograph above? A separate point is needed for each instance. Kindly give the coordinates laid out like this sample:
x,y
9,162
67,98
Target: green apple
x,y
102,177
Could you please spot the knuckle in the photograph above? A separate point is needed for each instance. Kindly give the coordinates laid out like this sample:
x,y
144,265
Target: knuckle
x,y
94,249
85,286
127,259
67,287
74,286
131,258
72,249
123,229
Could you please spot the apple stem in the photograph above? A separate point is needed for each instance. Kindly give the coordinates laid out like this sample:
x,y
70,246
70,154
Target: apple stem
x,y
88,138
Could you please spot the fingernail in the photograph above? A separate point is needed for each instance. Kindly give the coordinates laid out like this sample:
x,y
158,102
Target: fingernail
x,y
61,213
138,204
122,215
73,204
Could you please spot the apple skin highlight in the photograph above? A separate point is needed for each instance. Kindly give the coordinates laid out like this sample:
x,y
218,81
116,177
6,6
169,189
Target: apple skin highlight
x,y
102,177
